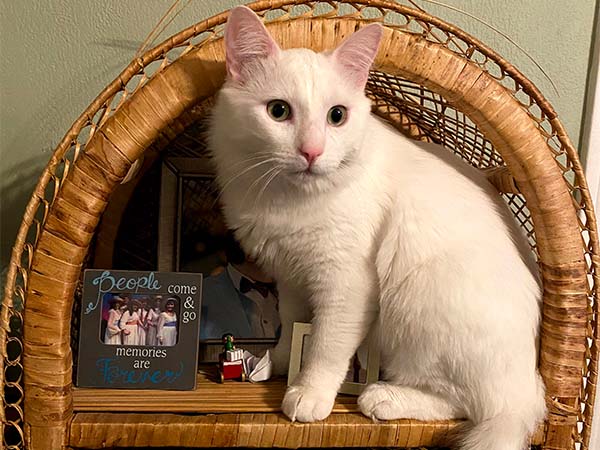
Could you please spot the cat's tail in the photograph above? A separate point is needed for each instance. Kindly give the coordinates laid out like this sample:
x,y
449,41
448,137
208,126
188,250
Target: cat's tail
x,y
502,432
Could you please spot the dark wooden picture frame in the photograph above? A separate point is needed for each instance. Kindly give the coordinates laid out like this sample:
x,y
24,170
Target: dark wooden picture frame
x,y
108,359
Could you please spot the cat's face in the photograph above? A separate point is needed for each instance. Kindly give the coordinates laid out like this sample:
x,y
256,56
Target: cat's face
x,y
294,117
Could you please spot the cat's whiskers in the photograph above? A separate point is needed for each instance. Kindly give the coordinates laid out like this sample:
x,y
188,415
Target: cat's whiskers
x,y
264,175
255,182
276,173
246,170
254,157
238,175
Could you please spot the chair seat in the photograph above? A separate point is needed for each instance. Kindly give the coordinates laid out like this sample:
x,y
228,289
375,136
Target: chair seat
x,y
101,430
234,414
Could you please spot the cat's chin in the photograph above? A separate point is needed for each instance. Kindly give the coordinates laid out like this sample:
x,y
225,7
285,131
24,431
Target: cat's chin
x,y
307,175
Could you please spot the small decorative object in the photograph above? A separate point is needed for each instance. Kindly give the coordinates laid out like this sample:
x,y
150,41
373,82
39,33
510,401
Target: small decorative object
x,y
363,368
258,368
232,353
139,330
231,361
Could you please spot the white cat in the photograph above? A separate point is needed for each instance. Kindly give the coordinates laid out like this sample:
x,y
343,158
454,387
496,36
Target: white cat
x,y
360,224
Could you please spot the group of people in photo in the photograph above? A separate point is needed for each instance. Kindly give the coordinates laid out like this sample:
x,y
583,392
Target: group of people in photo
x,y
140,320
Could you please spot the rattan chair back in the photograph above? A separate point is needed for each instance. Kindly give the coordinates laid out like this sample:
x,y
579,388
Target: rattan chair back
x,y
430,79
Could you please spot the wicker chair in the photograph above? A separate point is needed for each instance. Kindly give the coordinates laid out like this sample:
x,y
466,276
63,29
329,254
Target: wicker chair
x,y
433,82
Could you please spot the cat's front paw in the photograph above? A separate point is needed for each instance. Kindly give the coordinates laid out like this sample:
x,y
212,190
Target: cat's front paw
x,y
385,401
307,404
376,402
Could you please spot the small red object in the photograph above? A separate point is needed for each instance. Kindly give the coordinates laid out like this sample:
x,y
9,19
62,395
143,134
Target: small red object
x,y
230,370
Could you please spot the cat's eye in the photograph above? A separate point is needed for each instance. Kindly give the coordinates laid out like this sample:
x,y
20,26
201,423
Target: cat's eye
x,y
337,115
279,110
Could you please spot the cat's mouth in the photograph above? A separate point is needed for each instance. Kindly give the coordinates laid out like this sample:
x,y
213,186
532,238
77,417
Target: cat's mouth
x,y
305,177
307,174
310,173
317,172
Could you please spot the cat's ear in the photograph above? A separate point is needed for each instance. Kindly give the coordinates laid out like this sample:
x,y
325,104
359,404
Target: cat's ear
x,y
246,39
356,54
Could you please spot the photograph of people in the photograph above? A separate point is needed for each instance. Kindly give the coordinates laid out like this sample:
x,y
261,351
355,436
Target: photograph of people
x,y
143,324
152,321
112,335
129,323
166,330
239,299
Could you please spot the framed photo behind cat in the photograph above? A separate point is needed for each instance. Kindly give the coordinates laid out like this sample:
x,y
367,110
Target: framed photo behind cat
x,y
237,297
363,368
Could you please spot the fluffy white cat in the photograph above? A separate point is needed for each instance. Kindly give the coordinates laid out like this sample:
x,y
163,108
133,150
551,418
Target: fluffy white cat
x,y
359,224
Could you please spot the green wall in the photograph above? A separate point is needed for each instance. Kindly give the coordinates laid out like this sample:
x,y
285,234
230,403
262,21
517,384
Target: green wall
x,y
57,55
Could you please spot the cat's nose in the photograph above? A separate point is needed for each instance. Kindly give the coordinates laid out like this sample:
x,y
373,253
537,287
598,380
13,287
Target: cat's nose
x,y
311,154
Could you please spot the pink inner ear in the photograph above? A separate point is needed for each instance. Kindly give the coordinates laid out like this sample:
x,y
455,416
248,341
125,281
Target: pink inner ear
x,y
246,39
356,54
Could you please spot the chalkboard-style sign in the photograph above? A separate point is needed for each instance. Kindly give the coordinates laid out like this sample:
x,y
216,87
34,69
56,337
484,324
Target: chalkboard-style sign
x,y
139,330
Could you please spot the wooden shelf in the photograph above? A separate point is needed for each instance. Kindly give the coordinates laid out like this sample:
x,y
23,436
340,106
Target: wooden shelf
x,y
234,414
208,397
101,430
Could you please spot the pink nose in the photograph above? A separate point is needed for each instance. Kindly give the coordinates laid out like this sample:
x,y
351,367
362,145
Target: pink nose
x,y
311,154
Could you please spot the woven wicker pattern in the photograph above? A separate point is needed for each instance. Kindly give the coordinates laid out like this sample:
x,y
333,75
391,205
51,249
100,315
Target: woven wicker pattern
x,y
432,80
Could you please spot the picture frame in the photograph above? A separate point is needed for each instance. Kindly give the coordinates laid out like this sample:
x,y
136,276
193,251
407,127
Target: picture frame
x,y
139,330
300,335
192,237
174,173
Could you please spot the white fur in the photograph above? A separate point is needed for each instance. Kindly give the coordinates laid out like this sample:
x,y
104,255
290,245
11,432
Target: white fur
x,y
383,229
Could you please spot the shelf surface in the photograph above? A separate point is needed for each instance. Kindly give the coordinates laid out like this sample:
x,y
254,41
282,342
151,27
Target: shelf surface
x,y
208,397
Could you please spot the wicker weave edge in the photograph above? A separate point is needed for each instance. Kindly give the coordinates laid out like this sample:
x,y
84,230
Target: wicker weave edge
x,y
130,71
93,430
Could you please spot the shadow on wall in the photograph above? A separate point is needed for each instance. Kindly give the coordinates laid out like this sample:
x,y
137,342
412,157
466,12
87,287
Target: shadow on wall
x,y
16,186
56,112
